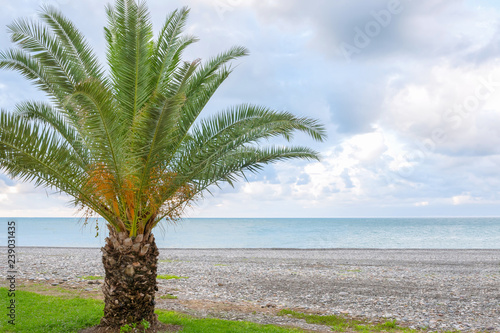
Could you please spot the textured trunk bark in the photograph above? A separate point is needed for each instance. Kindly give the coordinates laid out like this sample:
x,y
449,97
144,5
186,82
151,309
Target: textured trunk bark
x,y
130,282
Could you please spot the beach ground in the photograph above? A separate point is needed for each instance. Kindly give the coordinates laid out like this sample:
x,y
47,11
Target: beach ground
x,y
433,289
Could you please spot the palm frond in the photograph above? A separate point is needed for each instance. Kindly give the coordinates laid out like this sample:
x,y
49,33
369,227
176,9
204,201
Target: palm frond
x,y
32,69
168,49
232,166
74,43
46,114
213,65
239,126
160,131
100,124
34,154
203,84
129,35
158,124
193,107
252,122
36,39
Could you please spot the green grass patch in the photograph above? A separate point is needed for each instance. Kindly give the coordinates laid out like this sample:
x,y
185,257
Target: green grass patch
x,y
168,296
332,320
220,265
196,325
49,314
91,277
170,277
166,260
342,324
172,260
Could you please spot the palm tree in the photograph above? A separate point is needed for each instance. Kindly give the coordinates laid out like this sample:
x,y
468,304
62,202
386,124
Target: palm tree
x,y
125,143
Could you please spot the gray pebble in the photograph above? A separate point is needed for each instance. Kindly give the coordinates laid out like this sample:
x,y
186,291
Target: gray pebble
x,y
443,289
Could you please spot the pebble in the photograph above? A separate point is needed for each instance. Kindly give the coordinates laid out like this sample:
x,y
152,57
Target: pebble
x,y
439,289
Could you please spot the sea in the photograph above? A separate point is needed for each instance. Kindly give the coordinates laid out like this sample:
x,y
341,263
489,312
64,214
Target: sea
x,y
298,233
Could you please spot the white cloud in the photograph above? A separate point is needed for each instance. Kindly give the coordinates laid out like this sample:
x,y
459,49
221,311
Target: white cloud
x,y
462,199
263,190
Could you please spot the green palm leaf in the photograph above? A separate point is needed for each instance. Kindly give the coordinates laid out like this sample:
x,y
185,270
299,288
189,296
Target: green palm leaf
x,y
56,120
75,46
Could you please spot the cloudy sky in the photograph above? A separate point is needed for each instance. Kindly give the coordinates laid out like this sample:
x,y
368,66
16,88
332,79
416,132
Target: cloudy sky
x,y
408,90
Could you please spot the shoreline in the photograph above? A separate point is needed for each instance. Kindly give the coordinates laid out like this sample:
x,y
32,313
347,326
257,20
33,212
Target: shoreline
x,y
442,289
271,248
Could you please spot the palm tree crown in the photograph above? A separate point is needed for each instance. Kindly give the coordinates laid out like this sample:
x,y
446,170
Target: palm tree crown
x,y
125,143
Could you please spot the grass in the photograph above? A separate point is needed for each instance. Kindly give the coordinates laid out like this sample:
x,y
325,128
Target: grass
x,y
91,277
342,324
170,277
195,325
49,314
165,260
168,296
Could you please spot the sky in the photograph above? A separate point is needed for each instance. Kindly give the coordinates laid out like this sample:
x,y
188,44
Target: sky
x,y
409,92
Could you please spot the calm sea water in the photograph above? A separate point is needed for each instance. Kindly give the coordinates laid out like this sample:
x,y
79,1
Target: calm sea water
x,y
443,233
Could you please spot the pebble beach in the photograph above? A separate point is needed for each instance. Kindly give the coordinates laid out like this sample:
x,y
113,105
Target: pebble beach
x,y
434,289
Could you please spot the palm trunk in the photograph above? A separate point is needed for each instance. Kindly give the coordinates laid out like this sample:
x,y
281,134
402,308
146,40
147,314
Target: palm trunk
x,y
130,282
